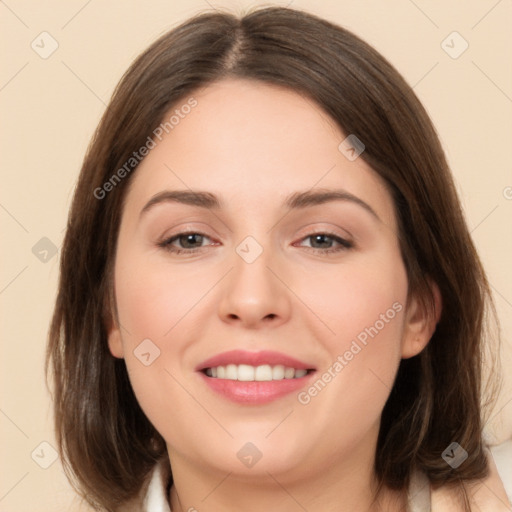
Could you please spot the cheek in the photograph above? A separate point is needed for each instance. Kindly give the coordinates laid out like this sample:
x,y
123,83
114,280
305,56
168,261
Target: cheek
x,y
153,299
158,310
362,300
364,306
150,311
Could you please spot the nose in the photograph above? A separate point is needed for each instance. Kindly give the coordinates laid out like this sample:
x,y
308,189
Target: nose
x,y
254,295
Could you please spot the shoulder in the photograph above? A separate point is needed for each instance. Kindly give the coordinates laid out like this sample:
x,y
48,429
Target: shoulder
x,y
490,494
486,495
502,455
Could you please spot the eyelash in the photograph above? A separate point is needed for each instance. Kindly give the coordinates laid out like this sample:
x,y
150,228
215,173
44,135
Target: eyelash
x,y
343,244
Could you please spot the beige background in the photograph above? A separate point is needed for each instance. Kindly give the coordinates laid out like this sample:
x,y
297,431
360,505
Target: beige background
x,y
51,106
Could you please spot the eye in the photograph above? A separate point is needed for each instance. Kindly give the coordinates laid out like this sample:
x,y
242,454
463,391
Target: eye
x,y
190,242
327,243
187,242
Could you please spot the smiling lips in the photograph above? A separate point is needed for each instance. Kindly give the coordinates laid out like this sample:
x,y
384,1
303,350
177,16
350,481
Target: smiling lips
x,y
254,377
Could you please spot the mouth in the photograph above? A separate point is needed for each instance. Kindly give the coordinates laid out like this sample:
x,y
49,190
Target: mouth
x,y
254,377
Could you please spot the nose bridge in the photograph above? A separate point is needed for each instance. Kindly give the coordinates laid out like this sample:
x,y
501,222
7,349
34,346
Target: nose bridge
x,y
252,293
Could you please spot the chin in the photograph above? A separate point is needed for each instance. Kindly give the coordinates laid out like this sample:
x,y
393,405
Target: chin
x,y
252,456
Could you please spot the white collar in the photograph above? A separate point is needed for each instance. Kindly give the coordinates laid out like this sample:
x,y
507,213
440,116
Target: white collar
x,y
156,495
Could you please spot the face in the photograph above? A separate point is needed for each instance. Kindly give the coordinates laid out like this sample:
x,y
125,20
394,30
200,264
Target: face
x,y
260,289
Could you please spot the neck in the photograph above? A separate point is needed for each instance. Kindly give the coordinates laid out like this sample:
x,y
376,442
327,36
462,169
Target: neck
x,y
336,488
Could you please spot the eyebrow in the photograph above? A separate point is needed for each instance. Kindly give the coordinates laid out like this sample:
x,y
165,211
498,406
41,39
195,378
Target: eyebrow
x,y
321,196
189,197
297,200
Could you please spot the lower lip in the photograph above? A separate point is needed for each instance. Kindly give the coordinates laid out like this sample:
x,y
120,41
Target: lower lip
x,y
254,392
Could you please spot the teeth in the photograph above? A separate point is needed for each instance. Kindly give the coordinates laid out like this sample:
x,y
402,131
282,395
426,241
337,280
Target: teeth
x,y
245,372
289,373
278,372
248,373
231,372
263,372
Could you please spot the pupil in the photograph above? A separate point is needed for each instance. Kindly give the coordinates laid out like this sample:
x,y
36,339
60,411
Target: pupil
x,y
321,239
191,239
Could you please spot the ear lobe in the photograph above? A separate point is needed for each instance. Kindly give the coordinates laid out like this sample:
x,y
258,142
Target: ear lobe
x,y
115,343
420,323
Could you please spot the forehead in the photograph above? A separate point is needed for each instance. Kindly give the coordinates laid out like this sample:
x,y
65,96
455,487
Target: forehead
x,y
251,142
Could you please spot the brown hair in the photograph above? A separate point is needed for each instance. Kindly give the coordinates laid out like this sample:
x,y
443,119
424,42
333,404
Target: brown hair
x,y
107,444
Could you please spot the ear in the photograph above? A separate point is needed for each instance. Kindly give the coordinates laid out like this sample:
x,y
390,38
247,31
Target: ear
x,y
420,323
115,343
110,320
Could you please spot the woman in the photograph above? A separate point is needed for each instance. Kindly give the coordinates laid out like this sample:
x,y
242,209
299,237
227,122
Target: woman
x,y
269,299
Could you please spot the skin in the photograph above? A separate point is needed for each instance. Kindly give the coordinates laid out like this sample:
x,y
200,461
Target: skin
x,y
253,145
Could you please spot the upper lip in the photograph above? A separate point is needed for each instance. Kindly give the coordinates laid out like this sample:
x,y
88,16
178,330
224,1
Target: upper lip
x,y
253,359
